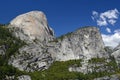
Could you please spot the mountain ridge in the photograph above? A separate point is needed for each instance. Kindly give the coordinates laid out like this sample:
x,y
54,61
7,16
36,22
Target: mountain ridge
x,y
82,51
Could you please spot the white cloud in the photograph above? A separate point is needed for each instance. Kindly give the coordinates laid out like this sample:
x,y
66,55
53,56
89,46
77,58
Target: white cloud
x,y
112,40
117,31
102,22
111,21
108,30
108,18
110,14
105,18
95,15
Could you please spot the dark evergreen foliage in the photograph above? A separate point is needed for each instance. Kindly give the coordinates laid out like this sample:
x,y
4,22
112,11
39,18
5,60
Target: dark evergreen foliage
x,y
12,45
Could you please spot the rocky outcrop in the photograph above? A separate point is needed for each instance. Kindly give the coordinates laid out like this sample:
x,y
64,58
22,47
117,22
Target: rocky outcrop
x,y
95,65
2,50
31,26
111,77
24,77
84,43
116,54
31,57
42,48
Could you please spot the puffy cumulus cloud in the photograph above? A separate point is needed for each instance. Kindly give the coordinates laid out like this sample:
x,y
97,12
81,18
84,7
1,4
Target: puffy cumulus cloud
x,y
108,18
105,18
112,40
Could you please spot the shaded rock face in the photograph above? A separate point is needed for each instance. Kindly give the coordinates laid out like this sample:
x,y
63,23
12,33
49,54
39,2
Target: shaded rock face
x,y
85,43
24,77
111,77
116,54
31,26
31,57
2,50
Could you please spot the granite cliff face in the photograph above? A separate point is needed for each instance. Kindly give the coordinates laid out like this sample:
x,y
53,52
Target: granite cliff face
x,y
33,29
116,54
43,48
31,57
31,26
84,43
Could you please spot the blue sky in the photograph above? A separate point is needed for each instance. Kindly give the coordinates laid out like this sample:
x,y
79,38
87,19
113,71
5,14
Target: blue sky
x,y
66,15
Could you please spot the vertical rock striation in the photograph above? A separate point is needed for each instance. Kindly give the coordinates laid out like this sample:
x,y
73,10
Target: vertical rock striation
x,y
84,43
116,54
